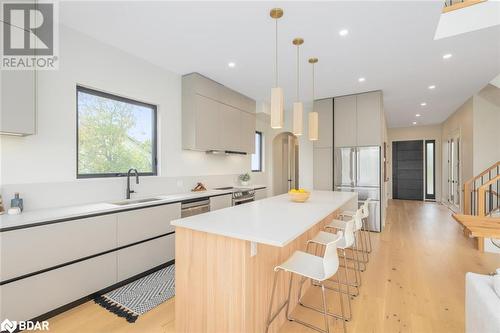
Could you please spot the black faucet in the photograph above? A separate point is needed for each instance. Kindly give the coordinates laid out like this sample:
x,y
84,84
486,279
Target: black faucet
x,y
128,181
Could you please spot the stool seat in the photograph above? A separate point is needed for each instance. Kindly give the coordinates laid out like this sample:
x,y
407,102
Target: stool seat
x,y
305,264
337,224
324,238
348,213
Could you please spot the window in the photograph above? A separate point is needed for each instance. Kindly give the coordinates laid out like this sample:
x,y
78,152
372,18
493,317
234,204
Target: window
x,y
114,134
257,157
430,177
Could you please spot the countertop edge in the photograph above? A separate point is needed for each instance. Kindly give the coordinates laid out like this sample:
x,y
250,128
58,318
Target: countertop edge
x,y
117,209
178,224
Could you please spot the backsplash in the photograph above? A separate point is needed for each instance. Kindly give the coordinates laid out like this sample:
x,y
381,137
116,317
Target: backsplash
x,y
83,191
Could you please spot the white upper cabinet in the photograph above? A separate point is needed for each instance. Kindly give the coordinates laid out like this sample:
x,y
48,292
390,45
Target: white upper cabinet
x,y
323,169
207,119
344,121
215,117
369,119
324,107
358,120
18,102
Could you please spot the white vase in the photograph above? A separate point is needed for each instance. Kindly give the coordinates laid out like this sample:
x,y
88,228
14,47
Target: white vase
x,y
244,183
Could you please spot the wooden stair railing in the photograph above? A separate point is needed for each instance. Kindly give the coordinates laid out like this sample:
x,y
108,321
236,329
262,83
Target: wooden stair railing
x,y
470,188
481,196
451,5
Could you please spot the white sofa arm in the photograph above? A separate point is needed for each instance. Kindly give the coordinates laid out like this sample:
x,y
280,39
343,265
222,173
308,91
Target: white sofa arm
x,y
482,304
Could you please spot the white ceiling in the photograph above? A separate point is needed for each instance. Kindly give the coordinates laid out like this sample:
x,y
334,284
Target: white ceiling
x,y
390,43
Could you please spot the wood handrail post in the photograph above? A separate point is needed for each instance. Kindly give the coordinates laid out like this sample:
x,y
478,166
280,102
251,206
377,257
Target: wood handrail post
x,y
467,196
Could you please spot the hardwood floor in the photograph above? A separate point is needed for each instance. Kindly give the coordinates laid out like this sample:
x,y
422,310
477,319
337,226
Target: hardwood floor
x,y
414,282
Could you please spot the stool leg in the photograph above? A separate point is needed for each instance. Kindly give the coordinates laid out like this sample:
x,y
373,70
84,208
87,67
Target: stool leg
x,y
288,298
325,309
342,307
269,320
369,236
346,275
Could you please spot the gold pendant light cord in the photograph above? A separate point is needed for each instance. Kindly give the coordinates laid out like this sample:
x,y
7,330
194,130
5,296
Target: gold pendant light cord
x,y
276,64
298,98
313,86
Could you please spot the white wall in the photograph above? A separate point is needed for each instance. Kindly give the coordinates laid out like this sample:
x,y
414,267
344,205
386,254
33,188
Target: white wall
x,y
486,143
43,166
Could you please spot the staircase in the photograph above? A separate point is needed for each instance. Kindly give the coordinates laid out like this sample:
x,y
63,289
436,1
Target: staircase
x,y
481,213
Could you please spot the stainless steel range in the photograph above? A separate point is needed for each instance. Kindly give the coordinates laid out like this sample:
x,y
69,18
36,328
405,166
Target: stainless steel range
x,y
240,195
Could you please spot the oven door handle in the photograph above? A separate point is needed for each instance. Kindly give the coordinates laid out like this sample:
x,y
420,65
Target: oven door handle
x,y
240,201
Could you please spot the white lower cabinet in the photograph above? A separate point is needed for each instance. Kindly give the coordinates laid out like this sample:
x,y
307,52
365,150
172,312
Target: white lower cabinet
x,y
32,249
260,193
28,298
221,201
141,257
141,224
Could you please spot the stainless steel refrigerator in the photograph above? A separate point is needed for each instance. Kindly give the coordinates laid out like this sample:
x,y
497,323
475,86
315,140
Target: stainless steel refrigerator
x,y
357,169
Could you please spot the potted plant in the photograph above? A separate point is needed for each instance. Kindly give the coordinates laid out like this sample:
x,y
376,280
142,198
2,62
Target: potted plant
x,y
244,179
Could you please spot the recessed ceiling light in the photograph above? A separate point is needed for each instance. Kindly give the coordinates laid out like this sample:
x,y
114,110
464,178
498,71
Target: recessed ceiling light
x,y
344,32
361,79
432,87
423,104
414,123
231,64
417,115
447,56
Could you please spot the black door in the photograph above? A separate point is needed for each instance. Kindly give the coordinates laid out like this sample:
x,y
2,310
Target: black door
x,y
408,170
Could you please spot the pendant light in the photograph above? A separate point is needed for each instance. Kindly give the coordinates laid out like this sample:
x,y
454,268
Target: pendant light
x,y
298,107
277,98
313,116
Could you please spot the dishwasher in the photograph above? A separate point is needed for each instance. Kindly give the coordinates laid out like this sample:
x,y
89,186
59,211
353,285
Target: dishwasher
x,y
194,207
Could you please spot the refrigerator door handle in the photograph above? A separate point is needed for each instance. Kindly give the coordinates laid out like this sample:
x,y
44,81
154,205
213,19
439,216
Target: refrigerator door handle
x,y
353,165
357,166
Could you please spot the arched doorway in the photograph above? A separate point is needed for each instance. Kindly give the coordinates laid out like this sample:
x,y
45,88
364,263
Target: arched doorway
x,y
285,162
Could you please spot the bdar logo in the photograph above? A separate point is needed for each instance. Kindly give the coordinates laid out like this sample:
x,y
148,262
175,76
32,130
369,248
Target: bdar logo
x,y
8,325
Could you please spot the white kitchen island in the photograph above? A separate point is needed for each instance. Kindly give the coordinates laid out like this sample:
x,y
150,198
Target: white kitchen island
x,y
225,259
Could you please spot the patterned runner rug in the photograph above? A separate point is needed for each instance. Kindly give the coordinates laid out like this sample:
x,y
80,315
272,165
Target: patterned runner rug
x,y
140,296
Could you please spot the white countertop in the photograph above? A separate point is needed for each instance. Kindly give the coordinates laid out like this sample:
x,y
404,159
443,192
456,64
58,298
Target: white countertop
x,y
54,214
273,221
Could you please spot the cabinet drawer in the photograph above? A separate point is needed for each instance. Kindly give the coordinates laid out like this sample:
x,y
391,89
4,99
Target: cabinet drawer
x,y
221,201
141,257
261,193
141,224
31,297
32,249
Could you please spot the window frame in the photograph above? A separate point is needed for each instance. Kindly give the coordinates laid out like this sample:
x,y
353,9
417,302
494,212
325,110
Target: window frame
x,y
428,196
259,152
154,128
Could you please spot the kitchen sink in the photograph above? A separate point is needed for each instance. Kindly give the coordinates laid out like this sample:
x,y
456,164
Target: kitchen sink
x,y
133,202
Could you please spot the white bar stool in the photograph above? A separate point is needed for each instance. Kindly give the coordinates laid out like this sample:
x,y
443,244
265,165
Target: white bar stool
x,y
311,267
366,213
346,241
341,225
